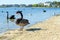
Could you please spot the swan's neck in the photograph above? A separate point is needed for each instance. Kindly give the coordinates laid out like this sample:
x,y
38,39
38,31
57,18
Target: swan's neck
x,y
7,16
21,15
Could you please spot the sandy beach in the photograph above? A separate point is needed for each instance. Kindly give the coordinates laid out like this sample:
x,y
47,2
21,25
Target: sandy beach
x,y
46,30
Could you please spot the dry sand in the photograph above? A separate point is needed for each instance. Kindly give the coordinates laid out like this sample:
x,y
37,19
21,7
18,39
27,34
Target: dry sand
x,y
47,30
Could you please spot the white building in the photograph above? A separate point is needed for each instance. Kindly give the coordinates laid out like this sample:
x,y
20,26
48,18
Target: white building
x,y
47,3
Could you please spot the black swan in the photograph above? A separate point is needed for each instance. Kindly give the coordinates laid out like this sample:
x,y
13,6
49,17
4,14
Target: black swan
x,y
44,10
21,22
12,17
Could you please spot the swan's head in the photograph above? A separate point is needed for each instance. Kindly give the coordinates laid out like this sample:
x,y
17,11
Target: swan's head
x,y
7,12
18,12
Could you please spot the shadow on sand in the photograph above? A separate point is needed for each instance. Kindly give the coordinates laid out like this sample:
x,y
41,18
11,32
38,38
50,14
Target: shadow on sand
x,y
34,29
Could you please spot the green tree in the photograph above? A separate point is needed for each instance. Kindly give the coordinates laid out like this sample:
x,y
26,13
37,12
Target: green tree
x,y
35,5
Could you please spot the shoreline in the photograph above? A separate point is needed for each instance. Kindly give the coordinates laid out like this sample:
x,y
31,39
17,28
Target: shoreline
x,y
30,7
46,30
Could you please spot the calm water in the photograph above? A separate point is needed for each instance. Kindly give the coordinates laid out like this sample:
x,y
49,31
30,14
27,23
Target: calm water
x,y
34,15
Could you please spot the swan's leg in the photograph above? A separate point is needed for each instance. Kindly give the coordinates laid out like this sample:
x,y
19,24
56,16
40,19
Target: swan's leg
x,y
21,28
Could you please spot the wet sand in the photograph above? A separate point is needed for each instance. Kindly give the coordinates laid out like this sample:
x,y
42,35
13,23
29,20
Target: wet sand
x,y
46,30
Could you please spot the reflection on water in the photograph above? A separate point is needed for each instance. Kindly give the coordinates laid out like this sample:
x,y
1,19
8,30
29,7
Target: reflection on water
x,y
34,15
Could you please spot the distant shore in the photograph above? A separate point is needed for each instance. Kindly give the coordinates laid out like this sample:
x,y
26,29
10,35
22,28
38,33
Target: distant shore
x,y
31,7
